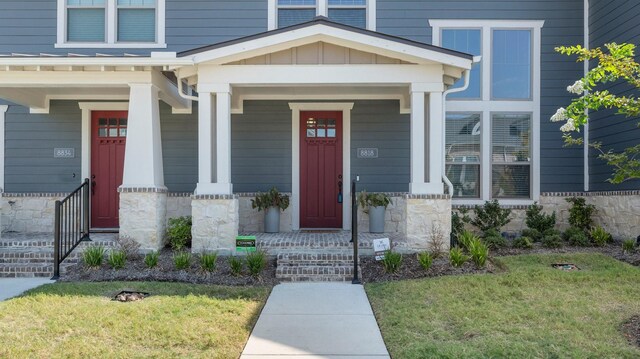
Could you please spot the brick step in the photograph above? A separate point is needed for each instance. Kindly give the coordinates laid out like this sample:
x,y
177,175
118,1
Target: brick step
x,y
315,259
30,270
313,273
21,260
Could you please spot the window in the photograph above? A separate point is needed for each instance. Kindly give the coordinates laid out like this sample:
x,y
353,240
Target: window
x,y
111,23
357,13
321,128
501,162
112,127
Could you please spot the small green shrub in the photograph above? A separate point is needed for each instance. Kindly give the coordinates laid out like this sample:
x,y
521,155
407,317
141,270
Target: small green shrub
x,y
392,262
456,257
580,213
425,259
551,232
117,259
532,234
600,237
479,252
458,219
538,220
208,261
151,259
465,238
367,200
182,260
256,262
523,242
491,216
236,264
628,246
554,241
93,256
576,237
494,239
179,232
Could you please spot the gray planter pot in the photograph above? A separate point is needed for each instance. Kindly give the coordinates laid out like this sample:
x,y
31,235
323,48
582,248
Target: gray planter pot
x,y
272,220
376,219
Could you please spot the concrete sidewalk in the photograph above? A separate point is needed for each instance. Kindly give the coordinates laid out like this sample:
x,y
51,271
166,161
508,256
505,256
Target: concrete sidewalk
x,y
316,320
11,287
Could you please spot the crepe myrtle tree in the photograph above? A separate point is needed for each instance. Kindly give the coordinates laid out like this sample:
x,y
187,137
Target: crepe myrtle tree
x,y
615,62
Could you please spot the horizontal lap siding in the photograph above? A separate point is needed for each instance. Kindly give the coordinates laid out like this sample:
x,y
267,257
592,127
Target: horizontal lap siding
x,y
561,168
613,21
179,149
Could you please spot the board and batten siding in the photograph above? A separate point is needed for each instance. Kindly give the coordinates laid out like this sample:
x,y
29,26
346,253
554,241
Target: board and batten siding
x,y
612,21
561,168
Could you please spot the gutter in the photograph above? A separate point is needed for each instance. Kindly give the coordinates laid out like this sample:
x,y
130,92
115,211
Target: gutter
x,y
467,77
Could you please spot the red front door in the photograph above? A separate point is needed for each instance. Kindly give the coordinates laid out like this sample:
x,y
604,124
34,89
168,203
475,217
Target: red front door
x,y
108,139
321,181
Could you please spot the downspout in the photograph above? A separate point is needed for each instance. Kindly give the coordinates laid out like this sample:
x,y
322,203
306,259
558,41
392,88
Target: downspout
x,y
467,78
181,93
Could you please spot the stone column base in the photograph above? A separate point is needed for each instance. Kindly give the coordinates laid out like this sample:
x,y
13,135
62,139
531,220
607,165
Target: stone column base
x,y
143,214
215,223
428,219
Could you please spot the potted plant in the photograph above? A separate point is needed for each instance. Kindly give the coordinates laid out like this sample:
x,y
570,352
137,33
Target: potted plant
x,y
271,202
374,204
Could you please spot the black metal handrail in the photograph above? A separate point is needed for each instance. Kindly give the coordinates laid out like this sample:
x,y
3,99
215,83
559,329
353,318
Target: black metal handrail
x,y
354,232
71,224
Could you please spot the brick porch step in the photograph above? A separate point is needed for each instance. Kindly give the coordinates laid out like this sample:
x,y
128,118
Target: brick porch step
x,y
314,267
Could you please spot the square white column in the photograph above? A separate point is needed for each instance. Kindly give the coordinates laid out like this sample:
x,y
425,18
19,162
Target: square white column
x,y
436,146
418,184
206,153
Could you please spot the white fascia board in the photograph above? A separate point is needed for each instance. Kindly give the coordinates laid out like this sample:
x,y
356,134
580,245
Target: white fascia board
x,y
470,23
94,61
320,32
72,79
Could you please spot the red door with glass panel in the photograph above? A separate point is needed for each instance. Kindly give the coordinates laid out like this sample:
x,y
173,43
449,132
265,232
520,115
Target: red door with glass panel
x,y
321,182
108,140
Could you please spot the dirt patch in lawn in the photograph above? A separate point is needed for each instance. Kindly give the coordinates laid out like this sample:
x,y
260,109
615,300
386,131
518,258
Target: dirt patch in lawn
x,y
373,271
165,271
613,250
631,330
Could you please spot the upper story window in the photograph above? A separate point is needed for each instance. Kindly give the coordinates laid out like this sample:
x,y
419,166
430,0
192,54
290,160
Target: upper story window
x,y
358,13
469,41
111,23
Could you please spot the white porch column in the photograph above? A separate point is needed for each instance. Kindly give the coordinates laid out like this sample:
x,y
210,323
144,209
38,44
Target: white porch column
x,y
206,120
436,147
418,184
3,111
223,140
143,196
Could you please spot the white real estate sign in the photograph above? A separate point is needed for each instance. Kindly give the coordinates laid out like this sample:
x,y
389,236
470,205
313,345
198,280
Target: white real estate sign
x,y
380,247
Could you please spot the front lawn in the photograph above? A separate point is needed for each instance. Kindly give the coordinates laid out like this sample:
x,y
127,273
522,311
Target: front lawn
x,y
79,320
530,311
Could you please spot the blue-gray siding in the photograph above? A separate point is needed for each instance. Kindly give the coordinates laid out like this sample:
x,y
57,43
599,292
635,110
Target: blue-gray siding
x,y
561,168
179,149
613,21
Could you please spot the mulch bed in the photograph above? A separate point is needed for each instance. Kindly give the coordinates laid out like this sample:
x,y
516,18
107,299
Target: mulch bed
x,y
613,250
631,330
135,270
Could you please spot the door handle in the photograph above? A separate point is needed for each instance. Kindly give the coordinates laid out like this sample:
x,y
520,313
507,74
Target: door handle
x,y
339,191
93,185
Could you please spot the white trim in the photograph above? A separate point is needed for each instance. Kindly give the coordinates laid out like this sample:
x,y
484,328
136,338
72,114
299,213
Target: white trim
x,y
110,29
488,106
346,108
322,9
586,139
3,111
372,15
87,108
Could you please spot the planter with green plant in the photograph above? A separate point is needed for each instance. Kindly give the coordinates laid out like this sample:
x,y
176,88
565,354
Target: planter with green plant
x,y
272,203
375,205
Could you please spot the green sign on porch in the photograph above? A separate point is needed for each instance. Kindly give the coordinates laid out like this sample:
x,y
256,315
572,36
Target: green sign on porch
x,y
246,244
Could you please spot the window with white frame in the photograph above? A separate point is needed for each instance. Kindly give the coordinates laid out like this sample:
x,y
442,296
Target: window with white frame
x,y
492,128
357,13
111,23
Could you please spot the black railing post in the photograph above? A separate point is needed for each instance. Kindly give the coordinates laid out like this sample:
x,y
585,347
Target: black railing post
x,y
56,242
85,209
354,232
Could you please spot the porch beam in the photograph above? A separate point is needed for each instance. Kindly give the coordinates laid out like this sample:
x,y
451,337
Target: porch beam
x,y
73,79
32,98
169,92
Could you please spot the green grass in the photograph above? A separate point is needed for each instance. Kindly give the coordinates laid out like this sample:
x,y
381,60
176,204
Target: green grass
x,y
78,320
530,311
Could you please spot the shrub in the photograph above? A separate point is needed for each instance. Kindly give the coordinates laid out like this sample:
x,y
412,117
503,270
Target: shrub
x,y
538,220
533,234
236,264
458,220
628,246
600,237
576,237
93,256
151,259
392,262
273,198
554,241
130,247
523,242
182,260
208,261
117,259
367,200
456,257
465,238
479,252
580,213
494,239
256,262
179,232
436,241
491,216
425,259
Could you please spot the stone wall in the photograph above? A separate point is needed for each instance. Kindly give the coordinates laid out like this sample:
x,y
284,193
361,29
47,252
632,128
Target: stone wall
x,y
395,219
29,212
251,220
178,205
215,223
143,216
428,219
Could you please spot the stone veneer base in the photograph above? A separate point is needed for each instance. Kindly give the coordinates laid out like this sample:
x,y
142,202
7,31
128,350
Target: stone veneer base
x,y
143,218
427,216
215,223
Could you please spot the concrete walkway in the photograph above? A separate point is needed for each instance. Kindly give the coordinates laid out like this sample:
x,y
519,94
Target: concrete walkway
x,y
316,320
11,287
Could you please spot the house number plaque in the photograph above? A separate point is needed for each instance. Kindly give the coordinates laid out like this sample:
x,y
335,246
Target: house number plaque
x,y
367,153
64,152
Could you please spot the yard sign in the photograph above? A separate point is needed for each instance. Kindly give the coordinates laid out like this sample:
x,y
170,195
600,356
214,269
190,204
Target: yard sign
x,y
246,244
380,247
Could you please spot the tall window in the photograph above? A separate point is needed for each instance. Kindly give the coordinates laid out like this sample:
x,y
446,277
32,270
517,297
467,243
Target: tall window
x,y
357,13
492,128
137,20
86,20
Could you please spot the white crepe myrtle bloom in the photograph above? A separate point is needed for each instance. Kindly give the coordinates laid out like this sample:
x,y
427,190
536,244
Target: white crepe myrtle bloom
x,y
560,115
577,88
569,126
